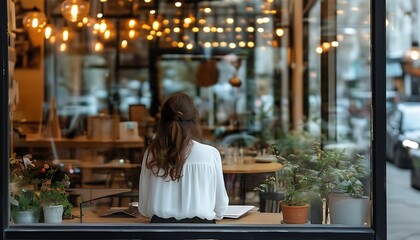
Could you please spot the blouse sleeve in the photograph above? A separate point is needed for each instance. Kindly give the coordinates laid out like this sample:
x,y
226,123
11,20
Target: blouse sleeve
x,y
222,199
144,187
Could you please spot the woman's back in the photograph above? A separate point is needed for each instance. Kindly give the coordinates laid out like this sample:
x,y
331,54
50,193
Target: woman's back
x,y
200,192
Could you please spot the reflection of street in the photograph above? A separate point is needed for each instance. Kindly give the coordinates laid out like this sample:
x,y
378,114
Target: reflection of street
x,y
403,205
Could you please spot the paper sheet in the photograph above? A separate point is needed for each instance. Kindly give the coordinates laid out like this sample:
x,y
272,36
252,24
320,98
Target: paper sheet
x,y
236,211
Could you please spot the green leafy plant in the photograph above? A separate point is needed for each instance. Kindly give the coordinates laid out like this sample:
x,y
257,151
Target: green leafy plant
x,y
33,187
23,194
296,179
309,171
270,184
349,177
53,188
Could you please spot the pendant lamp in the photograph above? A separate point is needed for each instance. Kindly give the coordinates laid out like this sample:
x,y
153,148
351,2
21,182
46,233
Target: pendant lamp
x,y
34,19
75,10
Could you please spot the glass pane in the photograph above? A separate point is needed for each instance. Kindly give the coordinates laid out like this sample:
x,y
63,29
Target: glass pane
x,y
277,84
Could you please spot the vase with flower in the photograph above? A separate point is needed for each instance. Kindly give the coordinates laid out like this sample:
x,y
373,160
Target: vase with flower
x,y
53,196
35,186
23,197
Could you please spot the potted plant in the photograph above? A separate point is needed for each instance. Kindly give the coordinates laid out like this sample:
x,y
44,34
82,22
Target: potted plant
x,y
339,178
24,202
347,201
308,172
53,196
297,180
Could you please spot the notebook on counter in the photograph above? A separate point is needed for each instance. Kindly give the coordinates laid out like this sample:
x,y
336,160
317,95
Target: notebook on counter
x,y
237,211
119,212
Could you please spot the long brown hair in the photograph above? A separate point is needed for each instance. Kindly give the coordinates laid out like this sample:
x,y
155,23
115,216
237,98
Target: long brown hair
x,y
178,126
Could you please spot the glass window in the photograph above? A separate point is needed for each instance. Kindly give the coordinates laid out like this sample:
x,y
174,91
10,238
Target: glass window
x,y
278,84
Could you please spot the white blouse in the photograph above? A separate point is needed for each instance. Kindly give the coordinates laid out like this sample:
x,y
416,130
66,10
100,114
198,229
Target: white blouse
x,y
200,192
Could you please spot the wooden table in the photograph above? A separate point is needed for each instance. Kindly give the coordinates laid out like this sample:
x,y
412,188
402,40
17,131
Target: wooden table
x,y
252,217
251,168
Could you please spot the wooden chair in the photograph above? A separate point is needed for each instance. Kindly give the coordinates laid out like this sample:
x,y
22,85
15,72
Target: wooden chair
x,y
269,201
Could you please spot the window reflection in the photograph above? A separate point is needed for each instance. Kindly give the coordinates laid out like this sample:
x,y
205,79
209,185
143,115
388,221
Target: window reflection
x,y
236,59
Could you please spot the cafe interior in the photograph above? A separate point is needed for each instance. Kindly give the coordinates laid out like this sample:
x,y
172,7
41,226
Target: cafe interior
x,y
88,78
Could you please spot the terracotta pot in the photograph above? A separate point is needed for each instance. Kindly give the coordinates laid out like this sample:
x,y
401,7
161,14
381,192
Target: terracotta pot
x,y
295,214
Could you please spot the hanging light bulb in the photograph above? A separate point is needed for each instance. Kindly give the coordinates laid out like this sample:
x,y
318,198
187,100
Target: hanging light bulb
x,y
155,25
133,34
131,23
48,31
34,19
124,43
279,32
63,47
75,10
66,34
98,47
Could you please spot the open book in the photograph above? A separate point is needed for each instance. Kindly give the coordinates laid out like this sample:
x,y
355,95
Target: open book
x,y
236,211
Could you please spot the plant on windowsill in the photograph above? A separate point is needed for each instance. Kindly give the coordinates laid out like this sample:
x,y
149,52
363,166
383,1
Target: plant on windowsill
x,y
33,187
297,179
298,187
347,201
338,176
53,196
23,198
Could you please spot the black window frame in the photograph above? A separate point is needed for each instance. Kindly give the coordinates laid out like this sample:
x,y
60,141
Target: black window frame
x,y
186,231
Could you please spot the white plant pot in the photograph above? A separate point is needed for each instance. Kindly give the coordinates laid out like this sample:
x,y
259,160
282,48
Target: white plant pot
x,y
53,214
345,209
25,217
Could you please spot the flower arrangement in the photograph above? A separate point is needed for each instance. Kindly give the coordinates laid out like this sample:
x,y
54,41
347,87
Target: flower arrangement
x,y
32,186
53,188
22,192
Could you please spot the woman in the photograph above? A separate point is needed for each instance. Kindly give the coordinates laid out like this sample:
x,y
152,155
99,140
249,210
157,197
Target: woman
x,y
181,179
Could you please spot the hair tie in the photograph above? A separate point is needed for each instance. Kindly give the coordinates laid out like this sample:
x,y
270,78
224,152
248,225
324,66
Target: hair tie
x,y
178,116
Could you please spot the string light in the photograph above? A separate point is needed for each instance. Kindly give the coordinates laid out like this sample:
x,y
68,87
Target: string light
x,y
209,28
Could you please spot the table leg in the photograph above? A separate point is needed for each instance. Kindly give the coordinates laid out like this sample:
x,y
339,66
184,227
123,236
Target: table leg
x,y
230,185
242,191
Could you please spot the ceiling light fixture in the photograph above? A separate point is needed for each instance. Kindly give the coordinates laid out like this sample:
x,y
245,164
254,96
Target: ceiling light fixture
x,y
34,19
75,10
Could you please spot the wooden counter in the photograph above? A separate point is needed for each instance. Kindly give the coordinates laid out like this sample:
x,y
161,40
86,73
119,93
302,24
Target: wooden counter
x,y
78,142
252,217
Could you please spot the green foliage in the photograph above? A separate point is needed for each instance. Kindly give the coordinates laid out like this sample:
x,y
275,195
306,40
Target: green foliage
x,y
54,192
269,185
33,188
349,177
310,171
298,179
23,195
